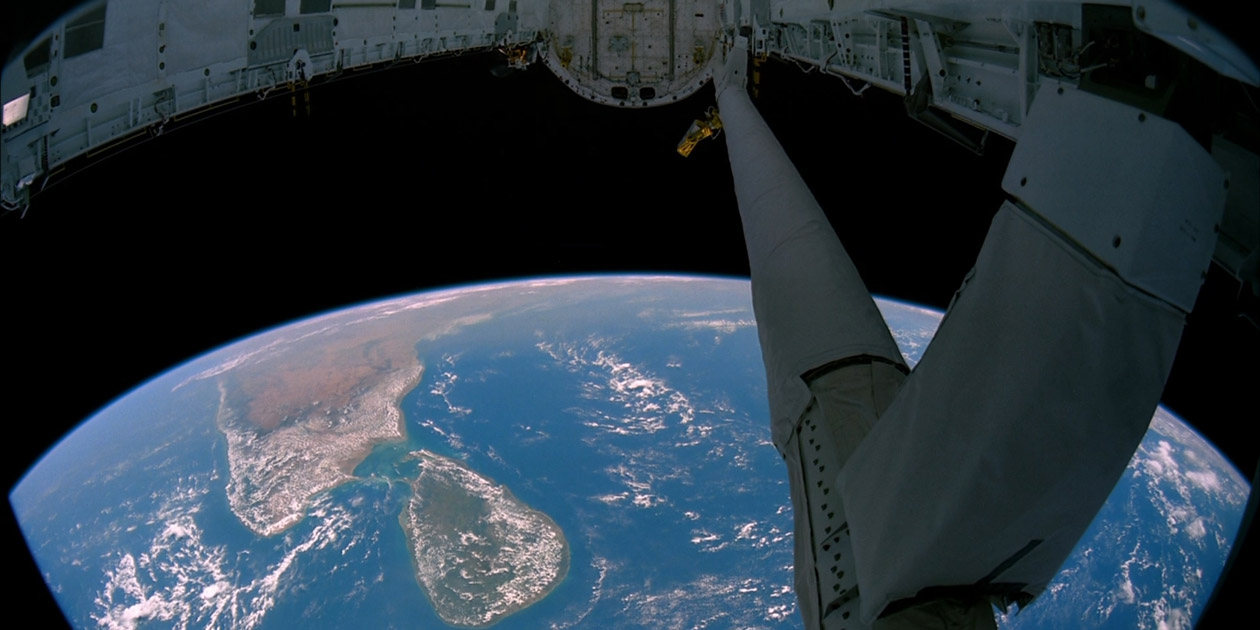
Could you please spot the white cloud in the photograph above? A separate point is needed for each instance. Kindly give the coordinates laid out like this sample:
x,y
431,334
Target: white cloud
x,y
185,583
1205,479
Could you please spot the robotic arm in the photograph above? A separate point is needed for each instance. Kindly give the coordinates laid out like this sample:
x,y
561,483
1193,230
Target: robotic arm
x,y
922,498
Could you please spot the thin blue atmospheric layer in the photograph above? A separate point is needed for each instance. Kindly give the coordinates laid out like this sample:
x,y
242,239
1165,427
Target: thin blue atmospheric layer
x,y
628,409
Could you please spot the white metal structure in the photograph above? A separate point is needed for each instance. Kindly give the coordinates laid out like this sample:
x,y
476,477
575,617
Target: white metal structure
x,y
963,481
112,72
921,497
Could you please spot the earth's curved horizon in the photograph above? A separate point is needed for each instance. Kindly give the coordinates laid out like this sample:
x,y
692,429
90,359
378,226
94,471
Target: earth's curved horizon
x,y
495,447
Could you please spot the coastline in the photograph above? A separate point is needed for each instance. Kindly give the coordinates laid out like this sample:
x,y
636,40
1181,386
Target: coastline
x,y
496,495
348,465
268,461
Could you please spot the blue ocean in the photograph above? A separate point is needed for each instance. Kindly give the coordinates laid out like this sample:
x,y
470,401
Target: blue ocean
x,y
631,412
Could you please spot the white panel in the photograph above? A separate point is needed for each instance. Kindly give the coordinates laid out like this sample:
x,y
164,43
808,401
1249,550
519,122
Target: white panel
x,y
371,23
205,33
15,110
128,59
1133,189
1010,433
811,305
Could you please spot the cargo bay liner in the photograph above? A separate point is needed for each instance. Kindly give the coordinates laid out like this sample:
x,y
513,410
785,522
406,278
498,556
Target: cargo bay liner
x,y
917,495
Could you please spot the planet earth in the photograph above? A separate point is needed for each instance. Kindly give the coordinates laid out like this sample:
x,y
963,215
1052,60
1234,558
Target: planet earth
x,y
551,453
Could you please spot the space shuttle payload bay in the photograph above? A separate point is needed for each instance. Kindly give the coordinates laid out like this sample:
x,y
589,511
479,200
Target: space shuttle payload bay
x,y
109,74
1084,281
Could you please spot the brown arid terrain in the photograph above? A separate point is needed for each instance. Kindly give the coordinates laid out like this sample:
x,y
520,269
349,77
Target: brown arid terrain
x,y
327,375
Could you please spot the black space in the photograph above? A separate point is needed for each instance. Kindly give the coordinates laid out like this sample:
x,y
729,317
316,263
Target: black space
x,y
437,174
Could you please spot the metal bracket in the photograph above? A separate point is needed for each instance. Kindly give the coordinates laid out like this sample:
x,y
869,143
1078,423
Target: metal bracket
x,y
517,57
700,129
